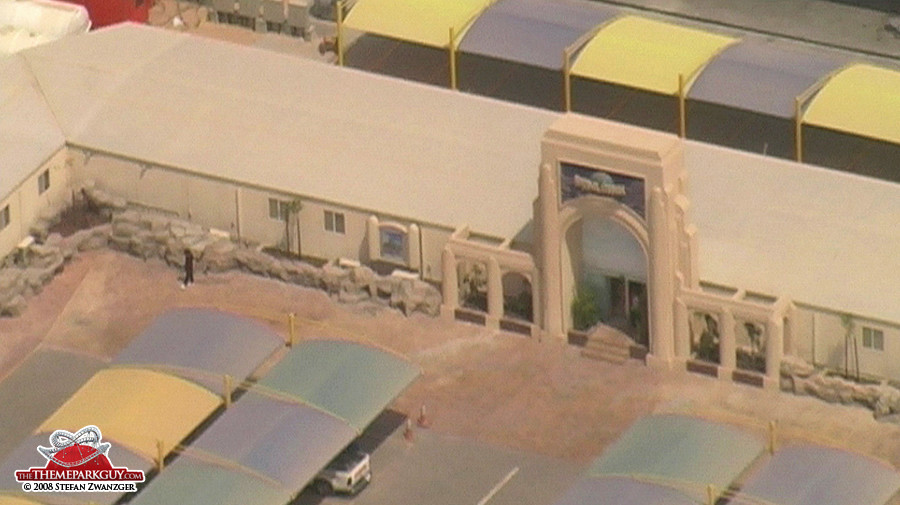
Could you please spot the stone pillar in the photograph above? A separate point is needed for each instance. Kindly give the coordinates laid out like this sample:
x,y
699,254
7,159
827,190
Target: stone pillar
x,y
413,241
774,350
661,277
494,292
372,238
727,344
790,342
449,283
682,330
551,290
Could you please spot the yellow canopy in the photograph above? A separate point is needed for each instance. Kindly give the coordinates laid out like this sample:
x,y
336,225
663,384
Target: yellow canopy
x,y
136,408
425,22
861,99
646,54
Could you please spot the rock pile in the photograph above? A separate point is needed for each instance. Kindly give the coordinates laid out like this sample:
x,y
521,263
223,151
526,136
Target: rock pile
x,y
148,234
802,378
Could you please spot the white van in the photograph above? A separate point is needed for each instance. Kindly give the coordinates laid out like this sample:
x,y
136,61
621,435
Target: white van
x,y
348,473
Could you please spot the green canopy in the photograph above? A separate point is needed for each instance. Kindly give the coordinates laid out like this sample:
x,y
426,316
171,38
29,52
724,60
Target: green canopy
x,y
197,482
682,452
351,381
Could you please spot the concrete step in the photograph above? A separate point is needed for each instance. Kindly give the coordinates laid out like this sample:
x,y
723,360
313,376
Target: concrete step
x,y
610,356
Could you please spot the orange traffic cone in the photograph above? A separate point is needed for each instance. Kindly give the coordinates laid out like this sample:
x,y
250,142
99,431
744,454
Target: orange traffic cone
x,y
408,433
423,421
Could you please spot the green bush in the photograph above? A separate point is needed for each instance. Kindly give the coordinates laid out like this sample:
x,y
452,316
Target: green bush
x,y
585,309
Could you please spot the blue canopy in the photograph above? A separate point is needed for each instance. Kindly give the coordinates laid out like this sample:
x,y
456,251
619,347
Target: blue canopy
x,y
533,32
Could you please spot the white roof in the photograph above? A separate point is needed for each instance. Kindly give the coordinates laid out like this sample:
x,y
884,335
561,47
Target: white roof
x,y
29,134
819,236
281,122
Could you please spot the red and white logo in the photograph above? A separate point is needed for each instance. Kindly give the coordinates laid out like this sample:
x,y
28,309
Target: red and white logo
x,y
78,462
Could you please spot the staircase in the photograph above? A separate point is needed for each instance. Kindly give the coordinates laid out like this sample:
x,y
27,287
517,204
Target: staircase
x,y
606,343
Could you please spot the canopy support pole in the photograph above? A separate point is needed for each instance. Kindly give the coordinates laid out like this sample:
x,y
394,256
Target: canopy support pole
x,y
160,455
339,39
567,80
798,129
682,119
452,49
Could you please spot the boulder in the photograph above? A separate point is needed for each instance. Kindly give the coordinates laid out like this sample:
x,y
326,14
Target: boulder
x,y
219,256
333,278
14,307
416,295
796,366
363,278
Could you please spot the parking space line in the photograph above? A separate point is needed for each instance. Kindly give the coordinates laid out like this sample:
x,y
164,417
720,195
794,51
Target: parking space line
x,y
499,485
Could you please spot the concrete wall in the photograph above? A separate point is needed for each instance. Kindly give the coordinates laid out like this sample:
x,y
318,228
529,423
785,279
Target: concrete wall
x,y
26,205
821,335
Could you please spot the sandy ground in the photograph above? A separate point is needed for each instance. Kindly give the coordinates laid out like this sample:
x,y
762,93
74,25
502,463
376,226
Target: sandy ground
x,y
487,385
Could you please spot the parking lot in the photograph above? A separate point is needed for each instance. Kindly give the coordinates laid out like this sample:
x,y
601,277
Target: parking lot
x,y
497,401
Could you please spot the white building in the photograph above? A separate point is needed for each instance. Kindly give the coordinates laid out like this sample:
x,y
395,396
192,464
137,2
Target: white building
x,y
434,181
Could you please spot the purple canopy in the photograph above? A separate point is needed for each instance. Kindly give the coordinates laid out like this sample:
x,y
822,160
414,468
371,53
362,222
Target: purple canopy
x,y
202,345
533,32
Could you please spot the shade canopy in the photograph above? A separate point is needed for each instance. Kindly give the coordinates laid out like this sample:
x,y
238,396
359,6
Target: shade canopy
x,y
811,475
136,408
622,491
283,441
646,54
26,456
189,480
533,32
352,381
763,75
426,22
684,452
862,100
202,345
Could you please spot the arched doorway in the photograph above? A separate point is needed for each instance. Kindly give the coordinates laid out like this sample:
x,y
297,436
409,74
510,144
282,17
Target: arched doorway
x,y
605,269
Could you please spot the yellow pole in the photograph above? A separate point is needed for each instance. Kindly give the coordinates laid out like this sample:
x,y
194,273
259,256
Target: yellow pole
x,y
710,494
227,391
160,455
292,319
682,120
567,80
339,39
452,48
772,433
798,129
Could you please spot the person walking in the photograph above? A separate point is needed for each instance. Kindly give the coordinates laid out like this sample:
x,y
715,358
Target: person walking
x,y
188,268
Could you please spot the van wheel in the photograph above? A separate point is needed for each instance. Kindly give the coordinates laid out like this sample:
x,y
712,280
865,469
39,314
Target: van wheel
x,y
323,488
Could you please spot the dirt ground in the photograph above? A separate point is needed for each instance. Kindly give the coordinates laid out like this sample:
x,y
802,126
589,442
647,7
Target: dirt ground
x,y
492,386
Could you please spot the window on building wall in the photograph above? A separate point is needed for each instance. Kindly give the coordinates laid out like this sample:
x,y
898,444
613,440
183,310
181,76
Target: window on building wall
x,y
873,338
44,181
278,209
334,221
4,217
393,244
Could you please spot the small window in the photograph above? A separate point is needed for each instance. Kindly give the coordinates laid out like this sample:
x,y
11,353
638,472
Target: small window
x,y
4,217
334,222
278,209
393,244
44,182
873,338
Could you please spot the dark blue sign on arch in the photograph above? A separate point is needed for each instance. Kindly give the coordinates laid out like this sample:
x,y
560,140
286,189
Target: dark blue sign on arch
x,y
577,181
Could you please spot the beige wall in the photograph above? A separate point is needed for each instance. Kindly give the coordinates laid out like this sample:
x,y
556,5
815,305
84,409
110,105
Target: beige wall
x,y
433,241
821,335
26,205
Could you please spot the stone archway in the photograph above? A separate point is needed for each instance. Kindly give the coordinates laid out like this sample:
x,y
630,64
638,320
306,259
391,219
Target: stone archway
x,y
616,306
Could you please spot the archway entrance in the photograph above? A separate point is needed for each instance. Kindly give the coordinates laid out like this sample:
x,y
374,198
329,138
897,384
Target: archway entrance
x,y
606,276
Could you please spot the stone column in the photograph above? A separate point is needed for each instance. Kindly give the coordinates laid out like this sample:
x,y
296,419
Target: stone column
x,y
727,344
551,290
682,330
449,283
661,278
494,292
774,350
413,240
